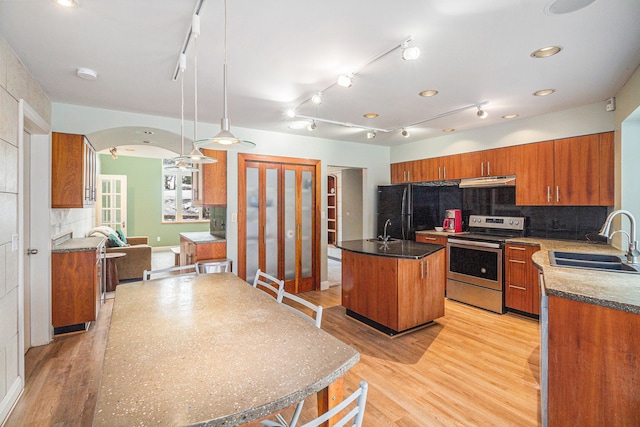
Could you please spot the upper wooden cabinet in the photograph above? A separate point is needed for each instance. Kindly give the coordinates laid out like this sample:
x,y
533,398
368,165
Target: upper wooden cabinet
x,y
73,171
498,162
407,172
606,169
564,172
210,184
443,168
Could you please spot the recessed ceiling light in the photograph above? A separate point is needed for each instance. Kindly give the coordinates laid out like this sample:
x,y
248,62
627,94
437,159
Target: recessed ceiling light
x,y
370,115
430,92
67,3
543,92
510,116
148,132
448,130
147,142
546,52
86,73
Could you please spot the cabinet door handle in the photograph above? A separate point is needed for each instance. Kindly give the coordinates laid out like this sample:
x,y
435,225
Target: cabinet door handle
x,y
548,194
516,248
445,172
404,175
409,175
421,269
428,238
488,168
438,172
481,168
518,287
557,194
517,261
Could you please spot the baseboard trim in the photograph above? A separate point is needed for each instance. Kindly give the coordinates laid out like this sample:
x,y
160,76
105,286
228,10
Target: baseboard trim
x,y
10,399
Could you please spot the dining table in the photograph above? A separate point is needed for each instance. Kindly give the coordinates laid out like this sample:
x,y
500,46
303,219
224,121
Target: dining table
x,y
212,350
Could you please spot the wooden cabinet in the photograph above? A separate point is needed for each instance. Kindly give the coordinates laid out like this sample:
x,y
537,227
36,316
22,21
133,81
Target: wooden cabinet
x,y
565,172
593,369
497,162
191,252
427,238
407,172
76,279
73,171
332,217
607,169
395,293
522,291
210,183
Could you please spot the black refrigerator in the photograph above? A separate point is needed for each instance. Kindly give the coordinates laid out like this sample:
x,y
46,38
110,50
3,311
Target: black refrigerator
x,y
414,207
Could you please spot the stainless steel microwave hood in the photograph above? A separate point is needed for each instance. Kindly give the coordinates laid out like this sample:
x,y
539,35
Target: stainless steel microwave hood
x,y
491,181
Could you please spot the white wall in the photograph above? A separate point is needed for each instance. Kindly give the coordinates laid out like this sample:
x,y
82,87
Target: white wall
x,y
85,120
583,120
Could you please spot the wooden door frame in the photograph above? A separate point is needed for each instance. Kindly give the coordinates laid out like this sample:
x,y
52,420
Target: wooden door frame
x,y
244,158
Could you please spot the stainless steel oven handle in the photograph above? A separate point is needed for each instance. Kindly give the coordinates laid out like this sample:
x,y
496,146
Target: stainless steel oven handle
x,y
473,243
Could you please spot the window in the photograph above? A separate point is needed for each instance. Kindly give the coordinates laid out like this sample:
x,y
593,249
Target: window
x,y
176,198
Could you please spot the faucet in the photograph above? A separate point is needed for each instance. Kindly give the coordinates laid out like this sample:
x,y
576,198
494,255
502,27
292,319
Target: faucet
x,y
633,254
384,236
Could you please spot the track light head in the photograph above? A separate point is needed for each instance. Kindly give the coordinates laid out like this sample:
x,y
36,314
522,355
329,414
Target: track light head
x,y
409,53
345,80
371,134
317,98
291,113
312,126
405,133
114,153
482,114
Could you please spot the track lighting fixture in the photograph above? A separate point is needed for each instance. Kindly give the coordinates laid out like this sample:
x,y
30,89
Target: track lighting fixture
x,y
371,134
317,98
409,53
114,153
291,113
405,133
482,114
312,126
345,80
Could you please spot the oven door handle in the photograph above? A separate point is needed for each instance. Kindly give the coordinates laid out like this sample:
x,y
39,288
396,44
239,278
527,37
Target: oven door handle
x,y
474,243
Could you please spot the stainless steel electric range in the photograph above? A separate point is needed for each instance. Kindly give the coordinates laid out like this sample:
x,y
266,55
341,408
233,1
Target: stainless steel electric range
x,y
476,261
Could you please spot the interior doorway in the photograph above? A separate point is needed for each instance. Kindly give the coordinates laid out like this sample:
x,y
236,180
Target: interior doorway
x,y
345,214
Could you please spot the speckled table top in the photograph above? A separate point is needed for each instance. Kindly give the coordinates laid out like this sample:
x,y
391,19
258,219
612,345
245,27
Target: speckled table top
x,y
620,291
209,350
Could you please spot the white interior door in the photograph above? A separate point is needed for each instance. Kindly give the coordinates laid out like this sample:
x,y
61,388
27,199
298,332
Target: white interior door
x,y
111,203
26,206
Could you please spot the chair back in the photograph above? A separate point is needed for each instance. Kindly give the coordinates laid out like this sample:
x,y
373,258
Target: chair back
x,y
181,270
356,413
316,316
222,265
273,286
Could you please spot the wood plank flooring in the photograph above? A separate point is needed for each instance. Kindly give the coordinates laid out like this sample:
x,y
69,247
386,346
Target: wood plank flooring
x,y
470,368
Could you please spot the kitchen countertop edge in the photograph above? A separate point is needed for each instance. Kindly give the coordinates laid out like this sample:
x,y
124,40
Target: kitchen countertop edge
x,y
409,249
200,237
81,244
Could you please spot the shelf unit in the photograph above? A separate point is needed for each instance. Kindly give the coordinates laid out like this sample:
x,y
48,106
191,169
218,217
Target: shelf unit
x,y
332,218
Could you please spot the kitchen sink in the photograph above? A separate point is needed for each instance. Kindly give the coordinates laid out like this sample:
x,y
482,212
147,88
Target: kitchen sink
x,y
601,262
380,240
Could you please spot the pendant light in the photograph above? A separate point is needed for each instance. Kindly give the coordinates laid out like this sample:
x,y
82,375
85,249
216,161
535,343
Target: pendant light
x,y
224,139
196,156
179,163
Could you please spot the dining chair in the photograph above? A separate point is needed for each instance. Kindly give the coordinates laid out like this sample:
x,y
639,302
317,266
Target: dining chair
x,y
273,285
316,318
181,270
354,417
222,265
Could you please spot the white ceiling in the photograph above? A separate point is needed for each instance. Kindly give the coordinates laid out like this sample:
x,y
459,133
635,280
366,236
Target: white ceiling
x,y
281,52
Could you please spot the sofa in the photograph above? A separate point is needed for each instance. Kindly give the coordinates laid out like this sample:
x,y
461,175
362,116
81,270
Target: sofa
x,y
137,249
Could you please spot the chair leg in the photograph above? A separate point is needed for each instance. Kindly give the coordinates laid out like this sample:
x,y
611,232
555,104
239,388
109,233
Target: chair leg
x,y
294,419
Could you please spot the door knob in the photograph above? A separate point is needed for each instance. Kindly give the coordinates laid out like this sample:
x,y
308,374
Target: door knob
x,y
32,251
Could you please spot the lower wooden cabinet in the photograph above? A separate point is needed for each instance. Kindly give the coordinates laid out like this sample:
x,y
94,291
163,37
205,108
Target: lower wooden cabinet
x,y
76,290
522,291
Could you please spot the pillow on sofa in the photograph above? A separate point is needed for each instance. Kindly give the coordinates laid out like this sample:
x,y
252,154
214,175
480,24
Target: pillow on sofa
x,y
102,231
122,236
115,242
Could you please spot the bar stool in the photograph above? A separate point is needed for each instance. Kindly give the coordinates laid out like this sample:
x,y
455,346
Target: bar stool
x,y
221,265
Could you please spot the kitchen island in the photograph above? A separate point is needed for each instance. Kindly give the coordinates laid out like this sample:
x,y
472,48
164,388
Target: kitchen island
x,y
201,245
395,286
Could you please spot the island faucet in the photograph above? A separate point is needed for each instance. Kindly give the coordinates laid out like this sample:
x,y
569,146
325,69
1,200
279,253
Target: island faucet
x,y
384,236
633,254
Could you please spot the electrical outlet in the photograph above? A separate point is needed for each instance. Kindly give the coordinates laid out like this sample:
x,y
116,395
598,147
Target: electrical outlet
x,y
158,238
234,217
14,242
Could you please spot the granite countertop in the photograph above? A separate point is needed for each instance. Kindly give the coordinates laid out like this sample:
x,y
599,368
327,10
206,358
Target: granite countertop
x,y
620,291
210,350
395,249
79,245
201,237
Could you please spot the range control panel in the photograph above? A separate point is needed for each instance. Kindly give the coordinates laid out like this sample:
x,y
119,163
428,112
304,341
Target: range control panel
x,y
501,222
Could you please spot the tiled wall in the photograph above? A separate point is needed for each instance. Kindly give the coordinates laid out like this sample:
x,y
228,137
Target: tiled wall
x,y
15,83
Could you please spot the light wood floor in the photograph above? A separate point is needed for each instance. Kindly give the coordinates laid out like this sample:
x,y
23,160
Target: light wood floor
x,y
471,368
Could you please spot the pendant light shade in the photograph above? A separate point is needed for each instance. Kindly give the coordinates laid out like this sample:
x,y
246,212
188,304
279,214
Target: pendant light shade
x,y
224,139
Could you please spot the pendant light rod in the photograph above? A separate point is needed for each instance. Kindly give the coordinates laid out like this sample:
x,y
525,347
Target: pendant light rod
x,y
224,124
187,40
